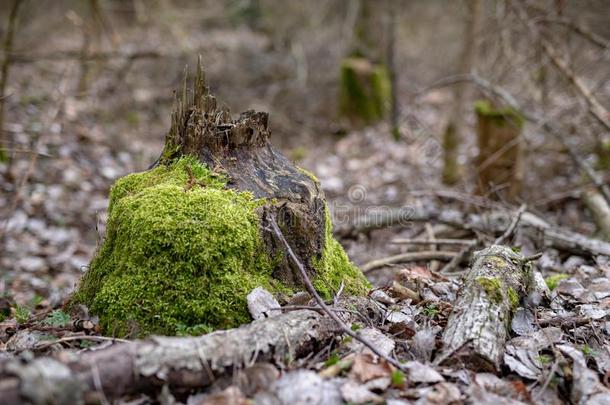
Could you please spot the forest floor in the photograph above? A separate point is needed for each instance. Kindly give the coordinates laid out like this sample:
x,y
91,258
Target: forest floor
x,y
55,209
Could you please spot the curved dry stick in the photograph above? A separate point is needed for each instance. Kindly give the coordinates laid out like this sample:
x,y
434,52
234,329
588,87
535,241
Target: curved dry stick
x,y
310,288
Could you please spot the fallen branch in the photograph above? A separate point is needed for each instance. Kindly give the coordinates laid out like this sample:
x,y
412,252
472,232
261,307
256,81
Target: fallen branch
x,y
493,222
476,331
408,257
376,219
181,362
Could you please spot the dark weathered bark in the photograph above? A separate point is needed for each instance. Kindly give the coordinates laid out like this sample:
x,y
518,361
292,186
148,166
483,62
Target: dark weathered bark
x,y
240,150
499,166
180,362
478,326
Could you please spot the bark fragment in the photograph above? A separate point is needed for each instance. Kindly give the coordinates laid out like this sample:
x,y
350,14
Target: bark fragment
x,y
180,362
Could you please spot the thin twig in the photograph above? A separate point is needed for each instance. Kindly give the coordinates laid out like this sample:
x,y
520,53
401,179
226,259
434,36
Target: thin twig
x,y
459,258
44,345
511,228
582,31
399,241
310,288
408,257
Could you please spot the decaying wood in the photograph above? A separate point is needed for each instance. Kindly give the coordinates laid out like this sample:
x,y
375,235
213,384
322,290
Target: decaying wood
x,y
144,365
600,211
478,326
240,150
493,222
499,163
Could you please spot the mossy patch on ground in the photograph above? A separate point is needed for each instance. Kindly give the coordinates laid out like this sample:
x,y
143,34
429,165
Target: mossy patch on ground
x,y
180,258
553,281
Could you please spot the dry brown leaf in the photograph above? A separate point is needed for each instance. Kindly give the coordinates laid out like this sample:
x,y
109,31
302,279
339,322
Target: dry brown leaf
x,y
366,368
230,396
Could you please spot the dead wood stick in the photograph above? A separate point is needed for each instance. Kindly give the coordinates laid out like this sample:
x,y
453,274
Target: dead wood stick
x,y
511,228
600,211
59,56
310,288
582,31
180,362
476,331
408,257
459,258
596,109
460,242
376,219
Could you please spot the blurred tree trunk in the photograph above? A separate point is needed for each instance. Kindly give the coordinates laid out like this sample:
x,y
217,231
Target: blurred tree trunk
x,y
364,86
462,93
391,64
8,49
499,166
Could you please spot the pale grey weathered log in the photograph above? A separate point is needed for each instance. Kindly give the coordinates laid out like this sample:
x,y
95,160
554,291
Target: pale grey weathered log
x,y
180,362
495,222
478,326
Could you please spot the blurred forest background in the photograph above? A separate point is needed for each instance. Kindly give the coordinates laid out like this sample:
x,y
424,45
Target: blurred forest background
x,y
87,88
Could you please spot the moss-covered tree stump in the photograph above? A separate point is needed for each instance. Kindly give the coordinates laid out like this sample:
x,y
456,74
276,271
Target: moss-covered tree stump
x,y
365,91
499,163
187,240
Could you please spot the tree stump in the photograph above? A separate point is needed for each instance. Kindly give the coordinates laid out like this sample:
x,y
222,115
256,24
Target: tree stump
x,y
188,239
499,166
365,91
478,326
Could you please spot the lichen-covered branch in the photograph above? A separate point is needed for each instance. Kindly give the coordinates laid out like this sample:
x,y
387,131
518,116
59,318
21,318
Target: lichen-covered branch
x,y
180,362
478,326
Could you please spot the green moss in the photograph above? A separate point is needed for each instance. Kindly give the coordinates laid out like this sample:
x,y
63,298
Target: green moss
x,y
173,257
492,287
500,116
553,281
513,298
364,90
334,267
180,258
308,174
